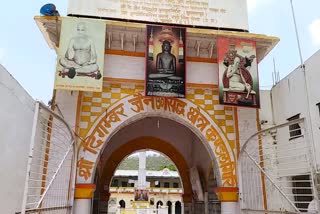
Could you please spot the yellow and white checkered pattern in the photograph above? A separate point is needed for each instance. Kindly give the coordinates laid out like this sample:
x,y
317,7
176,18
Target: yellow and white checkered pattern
x,y
96,103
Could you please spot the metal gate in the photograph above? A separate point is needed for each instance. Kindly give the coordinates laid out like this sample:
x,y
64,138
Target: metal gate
x,y
276,171
50,179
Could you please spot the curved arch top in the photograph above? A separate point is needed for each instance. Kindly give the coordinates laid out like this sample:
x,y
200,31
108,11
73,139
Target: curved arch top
x,y
144,143
134,107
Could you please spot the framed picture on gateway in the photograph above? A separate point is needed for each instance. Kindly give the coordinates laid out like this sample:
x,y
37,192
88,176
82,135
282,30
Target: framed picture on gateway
x,y
165,61
238,72
80,62
141,195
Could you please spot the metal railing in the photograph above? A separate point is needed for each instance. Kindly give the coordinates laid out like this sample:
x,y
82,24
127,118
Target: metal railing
x,y
276,171
50,179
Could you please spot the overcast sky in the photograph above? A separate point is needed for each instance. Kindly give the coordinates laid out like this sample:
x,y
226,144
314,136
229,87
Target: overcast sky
x,y
25,54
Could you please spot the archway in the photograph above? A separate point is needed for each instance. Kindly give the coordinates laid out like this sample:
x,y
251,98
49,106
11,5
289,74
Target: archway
x,y
144,143
122,204
159,204
136,107
122,130
183,148
177,207
169,205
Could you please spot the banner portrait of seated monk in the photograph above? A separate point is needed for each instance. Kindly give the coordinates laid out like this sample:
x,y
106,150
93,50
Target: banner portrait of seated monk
x,y
165,58
238,72
81,55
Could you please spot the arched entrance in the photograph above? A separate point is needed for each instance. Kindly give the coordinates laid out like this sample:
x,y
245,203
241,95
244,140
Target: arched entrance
x,y
122,204
185,133
169,205
177,207
146,142
159,204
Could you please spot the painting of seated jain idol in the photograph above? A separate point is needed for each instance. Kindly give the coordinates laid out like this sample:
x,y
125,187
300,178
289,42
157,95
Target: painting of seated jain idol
x,y
165,69
141,195
238,73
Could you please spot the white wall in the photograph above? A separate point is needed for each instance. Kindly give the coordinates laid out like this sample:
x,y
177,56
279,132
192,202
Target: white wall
x,y
128,67
289,97
266,111
297,93
292,96
16,113
312,66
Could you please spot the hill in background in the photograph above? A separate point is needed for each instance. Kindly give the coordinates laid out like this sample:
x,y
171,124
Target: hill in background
x,y
153,162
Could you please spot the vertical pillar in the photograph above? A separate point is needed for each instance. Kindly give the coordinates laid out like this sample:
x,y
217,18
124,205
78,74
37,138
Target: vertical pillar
x,y
187,208
228,196
206,203
142,170
83,196
173,207
182,207
190,208
186,203
229,208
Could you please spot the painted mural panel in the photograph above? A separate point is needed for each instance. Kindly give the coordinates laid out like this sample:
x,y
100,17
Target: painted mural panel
x,y
238,72
165,58
81,55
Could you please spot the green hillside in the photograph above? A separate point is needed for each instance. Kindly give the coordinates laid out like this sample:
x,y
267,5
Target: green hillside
x,y
154,162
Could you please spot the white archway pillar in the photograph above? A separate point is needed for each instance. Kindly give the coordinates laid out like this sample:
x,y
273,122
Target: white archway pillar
x,y
228,196
229,208
83,196
82,206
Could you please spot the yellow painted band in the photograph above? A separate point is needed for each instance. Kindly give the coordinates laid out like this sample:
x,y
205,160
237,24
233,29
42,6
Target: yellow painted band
x,y
84,191
227,194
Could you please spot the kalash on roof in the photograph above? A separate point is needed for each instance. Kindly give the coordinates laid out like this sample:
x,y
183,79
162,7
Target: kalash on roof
x,y
126,21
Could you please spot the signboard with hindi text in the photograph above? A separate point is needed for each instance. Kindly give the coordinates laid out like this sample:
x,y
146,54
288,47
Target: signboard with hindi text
x,y
230,14
80,57
238,72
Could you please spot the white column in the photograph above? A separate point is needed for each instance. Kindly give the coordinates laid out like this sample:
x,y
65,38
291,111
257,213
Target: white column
x,y
142,170
173,207
82,206
182,207
230,208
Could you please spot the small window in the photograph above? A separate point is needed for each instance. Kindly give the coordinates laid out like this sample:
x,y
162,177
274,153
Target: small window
x,y
175,185
166,184
115,183
157,184
294,129
318,104
124,184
